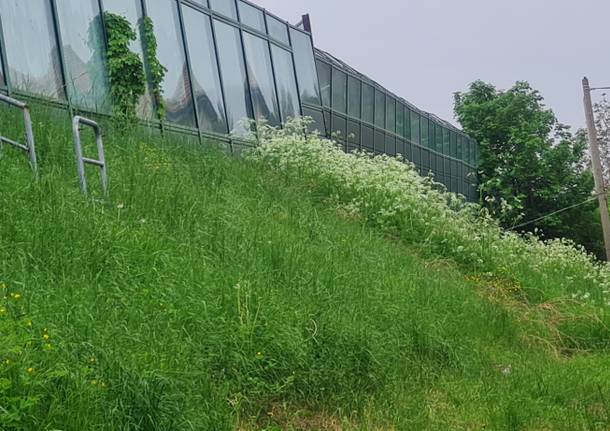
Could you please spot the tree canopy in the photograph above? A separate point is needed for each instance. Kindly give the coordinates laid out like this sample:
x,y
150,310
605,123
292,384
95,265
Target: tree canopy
x,y
530,165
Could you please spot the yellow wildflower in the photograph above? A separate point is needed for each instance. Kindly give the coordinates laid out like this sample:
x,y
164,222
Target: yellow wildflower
x,y
45,337
30,370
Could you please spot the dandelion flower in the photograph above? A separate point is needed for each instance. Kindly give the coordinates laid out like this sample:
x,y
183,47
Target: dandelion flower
x,y
30,370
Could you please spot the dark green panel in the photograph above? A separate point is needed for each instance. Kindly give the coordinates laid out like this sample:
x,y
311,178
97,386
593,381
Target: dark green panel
x,y
379,108
368,103
339,91
353,97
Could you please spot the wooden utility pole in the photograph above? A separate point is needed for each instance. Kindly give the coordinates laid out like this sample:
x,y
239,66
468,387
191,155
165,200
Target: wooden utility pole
x,y
600,187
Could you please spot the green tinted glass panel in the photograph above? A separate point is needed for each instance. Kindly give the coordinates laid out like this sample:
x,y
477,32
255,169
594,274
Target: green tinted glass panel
x,y
415,123
368,103
445,141
379,109
353,97
379,142
324,73
318,124
390,145
339,128
368,138
353,133
339,91
400,119
425,132
390,115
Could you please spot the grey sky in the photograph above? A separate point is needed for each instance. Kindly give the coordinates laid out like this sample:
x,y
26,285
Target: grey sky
x,y
425,50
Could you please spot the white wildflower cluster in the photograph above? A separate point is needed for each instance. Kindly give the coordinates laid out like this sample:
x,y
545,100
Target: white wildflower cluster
x,y
388,192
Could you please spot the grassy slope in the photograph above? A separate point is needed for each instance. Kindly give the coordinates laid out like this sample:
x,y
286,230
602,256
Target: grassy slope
x,y
213,294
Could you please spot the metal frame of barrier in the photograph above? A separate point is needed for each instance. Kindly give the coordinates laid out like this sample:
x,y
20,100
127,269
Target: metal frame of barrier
x,y
29,147
100,162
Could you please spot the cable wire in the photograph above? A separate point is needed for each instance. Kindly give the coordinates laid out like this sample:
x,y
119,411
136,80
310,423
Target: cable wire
x,y
557,212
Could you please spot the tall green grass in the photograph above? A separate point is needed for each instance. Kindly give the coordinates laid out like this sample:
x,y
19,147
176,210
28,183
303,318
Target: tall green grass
x,y
214,293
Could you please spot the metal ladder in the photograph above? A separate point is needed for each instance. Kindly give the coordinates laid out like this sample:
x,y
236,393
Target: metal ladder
x,y
100,162
29,146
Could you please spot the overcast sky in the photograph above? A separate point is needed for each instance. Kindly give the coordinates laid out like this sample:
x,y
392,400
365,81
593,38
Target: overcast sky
x,y
425,50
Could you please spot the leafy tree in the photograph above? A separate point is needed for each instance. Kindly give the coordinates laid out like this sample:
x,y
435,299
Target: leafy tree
x,y
530,164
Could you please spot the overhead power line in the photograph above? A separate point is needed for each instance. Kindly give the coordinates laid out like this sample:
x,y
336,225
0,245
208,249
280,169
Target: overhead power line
x,y
544,217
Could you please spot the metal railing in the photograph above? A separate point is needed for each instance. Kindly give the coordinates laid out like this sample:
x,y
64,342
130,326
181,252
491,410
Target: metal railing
x,y
28,147
100,162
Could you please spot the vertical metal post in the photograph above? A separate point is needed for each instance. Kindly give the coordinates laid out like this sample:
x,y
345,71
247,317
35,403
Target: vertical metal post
x,y
29,146
62,59
245,60
4,61
189,69
29,138
221,81
600,187
81,160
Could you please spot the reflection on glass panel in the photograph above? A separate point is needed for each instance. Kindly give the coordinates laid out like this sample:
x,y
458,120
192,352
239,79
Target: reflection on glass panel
x,y
339,129
458,153
324,76
445,141
415,127
408,151
390,145
30,30
206,79
400,147
277,29
83,44
379,109
353,133
379,142
286,82
225,7
234,79
425,142
453,143
260,74
170,51
439,138
252,16
416,155
390,115
368,103
368,137
306,68
425,161
131,9
318,121
327,122
400,119
339,88
407,126
353,97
